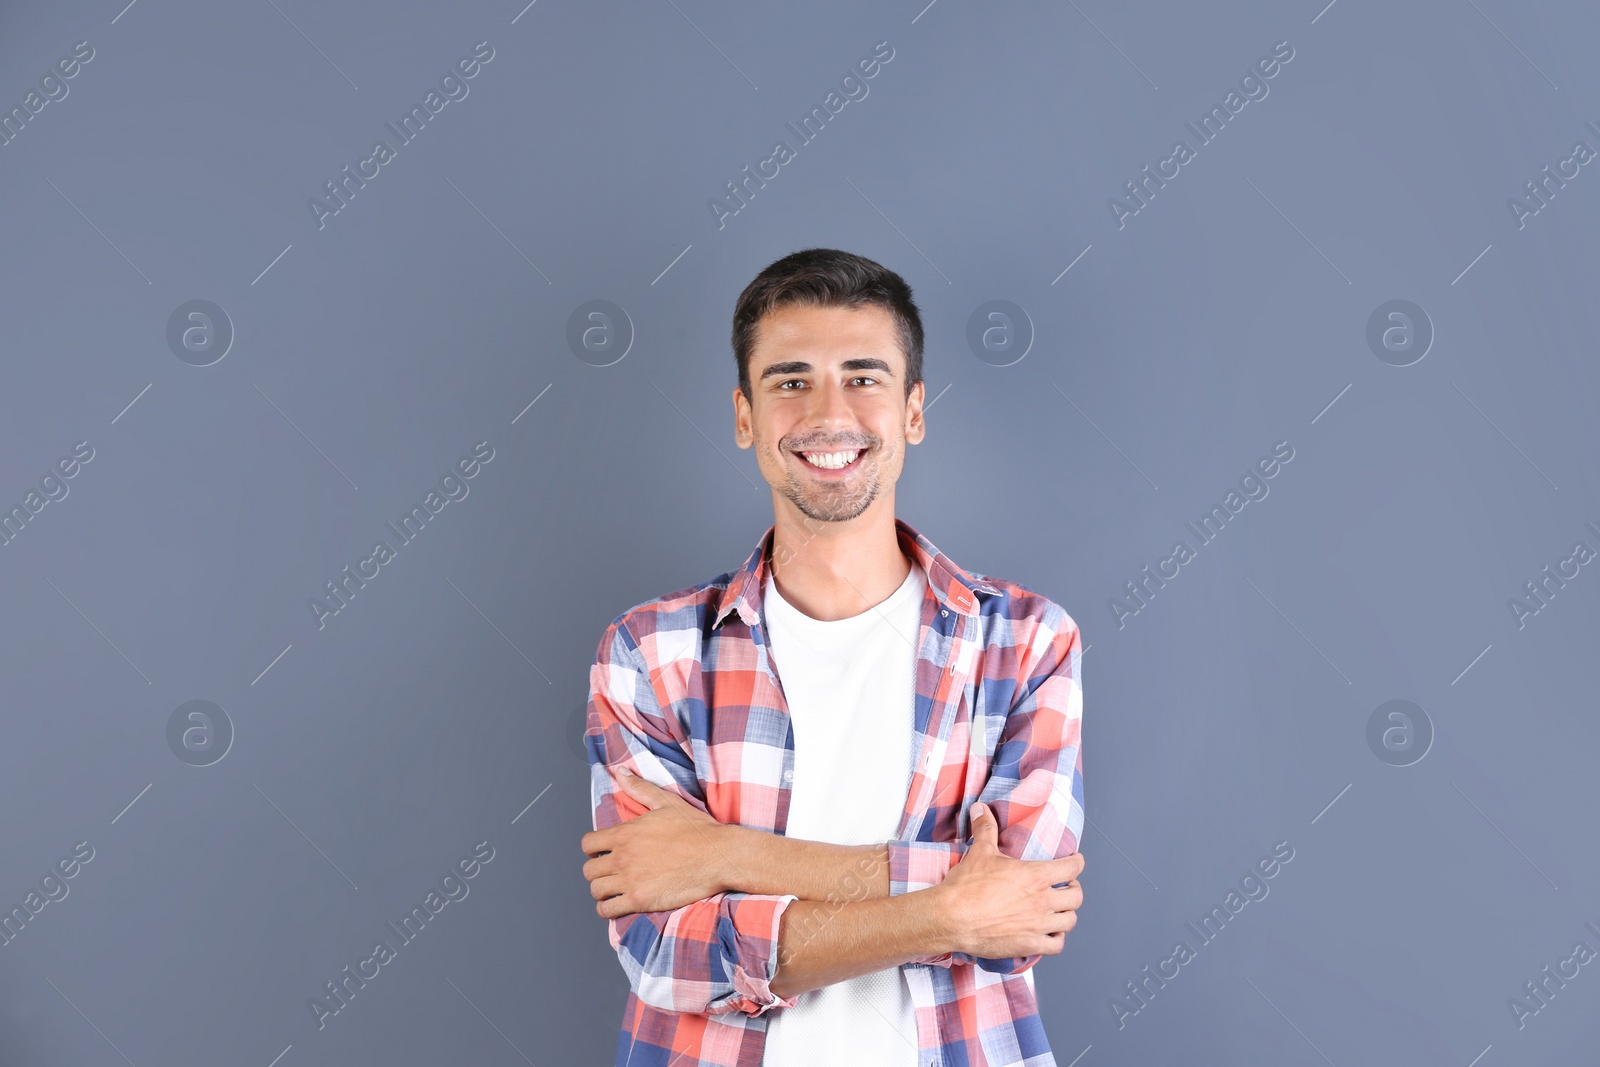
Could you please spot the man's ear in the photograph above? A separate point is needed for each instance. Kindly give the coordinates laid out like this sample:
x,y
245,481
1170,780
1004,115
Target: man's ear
x,y
742,435
915,427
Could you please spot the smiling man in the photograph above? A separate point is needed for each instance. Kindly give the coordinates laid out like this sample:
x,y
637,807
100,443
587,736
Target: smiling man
x,y
859,863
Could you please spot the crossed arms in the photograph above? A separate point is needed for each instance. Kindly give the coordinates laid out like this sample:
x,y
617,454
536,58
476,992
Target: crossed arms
x,y
709,917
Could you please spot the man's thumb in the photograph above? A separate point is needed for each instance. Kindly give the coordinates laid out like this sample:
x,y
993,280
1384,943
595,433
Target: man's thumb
x,y
984,829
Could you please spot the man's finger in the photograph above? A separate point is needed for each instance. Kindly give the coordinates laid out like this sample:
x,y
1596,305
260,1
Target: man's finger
x,y
1061,922
596,841
1064,869
615,908
1068,898
599,867
609,886
985,831
643,790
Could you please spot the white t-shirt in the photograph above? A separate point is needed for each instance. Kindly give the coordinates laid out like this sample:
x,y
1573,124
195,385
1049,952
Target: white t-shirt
x,y
851,688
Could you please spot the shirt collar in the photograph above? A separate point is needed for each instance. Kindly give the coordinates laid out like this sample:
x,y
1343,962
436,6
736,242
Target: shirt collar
x,y
952,586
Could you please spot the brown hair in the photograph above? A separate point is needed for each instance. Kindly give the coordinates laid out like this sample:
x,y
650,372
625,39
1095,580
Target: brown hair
x,y
826,277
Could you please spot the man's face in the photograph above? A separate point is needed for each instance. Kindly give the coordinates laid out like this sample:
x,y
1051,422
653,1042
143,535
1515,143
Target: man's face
x,y
829,417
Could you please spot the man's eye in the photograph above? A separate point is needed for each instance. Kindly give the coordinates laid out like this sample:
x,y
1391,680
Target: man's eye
x,y
865,378
791,381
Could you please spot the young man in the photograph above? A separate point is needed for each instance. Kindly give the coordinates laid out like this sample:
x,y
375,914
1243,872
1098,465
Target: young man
x,y
785,865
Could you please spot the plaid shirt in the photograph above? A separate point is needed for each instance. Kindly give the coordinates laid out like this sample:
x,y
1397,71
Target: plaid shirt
x,y
683,692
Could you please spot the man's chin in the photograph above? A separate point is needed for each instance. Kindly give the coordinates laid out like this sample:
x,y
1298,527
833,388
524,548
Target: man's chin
x,y
830,507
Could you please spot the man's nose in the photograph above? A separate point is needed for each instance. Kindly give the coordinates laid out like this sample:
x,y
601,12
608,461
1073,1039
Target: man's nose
x,y
830,406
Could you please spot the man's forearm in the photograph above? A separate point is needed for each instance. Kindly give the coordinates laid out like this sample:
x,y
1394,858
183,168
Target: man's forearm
x,y
754,861
823,943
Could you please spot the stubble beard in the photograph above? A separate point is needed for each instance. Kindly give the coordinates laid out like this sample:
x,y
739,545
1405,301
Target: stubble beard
x,y
838,501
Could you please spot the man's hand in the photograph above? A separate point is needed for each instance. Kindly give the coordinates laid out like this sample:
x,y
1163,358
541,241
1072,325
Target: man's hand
x,y
668,857
999,907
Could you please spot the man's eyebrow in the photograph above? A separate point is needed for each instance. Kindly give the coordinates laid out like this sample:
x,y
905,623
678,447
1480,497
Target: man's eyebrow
x,y
800,366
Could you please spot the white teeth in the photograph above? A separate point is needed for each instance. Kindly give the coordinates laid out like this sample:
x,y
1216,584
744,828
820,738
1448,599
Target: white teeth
x,y
831,460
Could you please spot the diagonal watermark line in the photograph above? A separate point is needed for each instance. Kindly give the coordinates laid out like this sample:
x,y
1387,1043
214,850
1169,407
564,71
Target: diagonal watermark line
x,y
713,44
1301,232
702,433
935,400
131,803
1299,631
532,402
490,1021
1502,433
1109,441
1290,1021
1502,833
499,231
279,1056
901,232
1121,853
924,11
1513,44
1113,44
102,233
1332,402
1074,263
1080,1055
531,803
99,631
124,11
524,11
302,833
674,263
890,1023
1480,1056
302,433
1469,666
1331,803
1324,11
1474,263
501,632
274,263
132,402
313,44
273,664
90,1021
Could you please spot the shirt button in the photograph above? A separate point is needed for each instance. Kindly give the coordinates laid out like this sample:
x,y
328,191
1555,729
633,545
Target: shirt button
x,y
942,611
788,776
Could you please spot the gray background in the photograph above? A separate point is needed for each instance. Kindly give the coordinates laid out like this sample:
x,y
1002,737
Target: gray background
x,y
1231,313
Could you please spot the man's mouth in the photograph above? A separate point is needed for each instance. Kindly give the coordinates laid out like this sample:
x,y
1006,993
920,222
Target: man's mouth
x,y
832,461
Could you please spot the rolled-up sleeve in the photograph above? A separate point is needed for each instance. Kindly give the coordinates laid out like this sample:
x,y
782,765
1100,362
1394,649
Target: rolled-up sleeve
x,y
715,955
1035,783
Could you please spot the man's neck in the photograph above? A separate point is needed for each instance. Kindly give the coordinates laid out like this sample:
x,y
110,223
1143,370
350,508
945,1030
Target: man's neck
x,y
836,570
